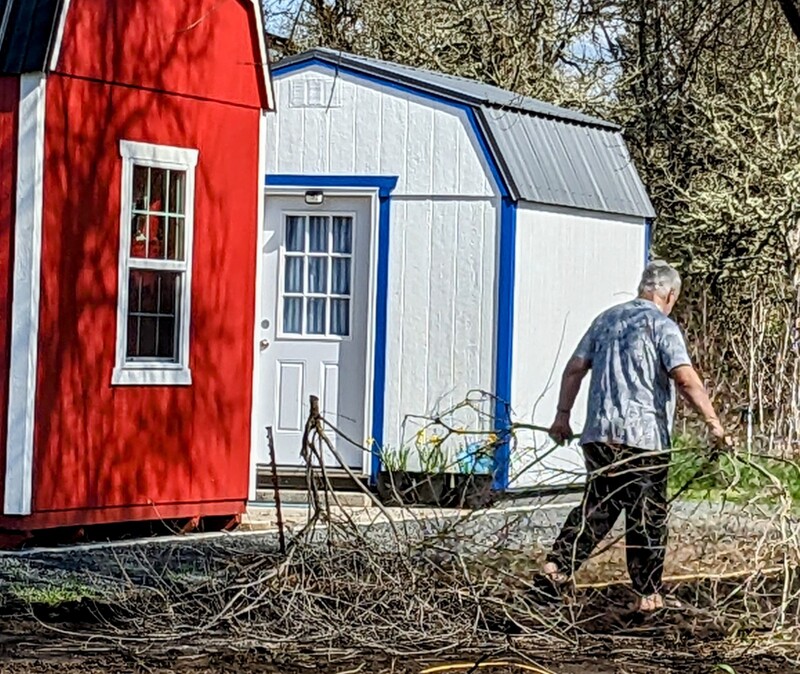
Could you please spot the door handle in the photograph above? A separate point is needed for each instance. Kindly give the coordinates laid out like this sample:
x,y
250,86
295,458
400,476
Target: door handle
x,y
264,344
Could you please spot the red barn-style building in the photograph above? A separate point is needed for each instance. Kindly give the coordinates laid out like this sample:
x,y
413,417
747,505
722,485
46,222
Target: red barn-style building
x,y
131,188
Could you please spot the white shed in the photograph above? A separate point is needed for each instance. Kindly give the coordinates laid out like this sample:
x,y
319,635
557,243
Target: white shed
x,y
427,235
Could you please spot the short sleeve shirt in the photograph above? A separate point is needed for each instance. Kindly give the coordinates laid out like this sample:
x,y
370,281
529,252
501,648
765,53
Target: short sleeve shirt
x,y
632,348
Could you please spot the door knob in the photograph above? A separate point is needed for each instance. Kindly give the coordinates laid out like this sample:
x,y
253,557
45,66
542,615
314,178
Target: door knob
x,y
264,344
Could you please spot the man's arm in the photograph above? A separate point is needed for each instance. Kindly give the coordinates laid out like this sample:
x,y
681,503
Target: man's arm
x,y
691,387
576,370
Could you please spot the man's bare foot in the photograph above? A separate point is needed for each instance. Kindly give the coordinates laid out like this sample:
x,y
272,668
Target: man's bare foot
x,y
551,571
650,603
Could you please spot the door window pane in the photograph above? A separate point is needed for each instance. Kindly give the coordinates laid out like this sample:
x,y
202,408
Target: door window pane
x,y
342,235
316,317
295,233
293,283
340,277
340,318
318,275
293,315
318,234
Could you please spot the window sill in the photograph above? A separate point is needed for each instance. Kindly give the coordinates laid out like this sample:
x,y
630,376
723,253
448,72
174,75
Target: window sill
x,y
133,376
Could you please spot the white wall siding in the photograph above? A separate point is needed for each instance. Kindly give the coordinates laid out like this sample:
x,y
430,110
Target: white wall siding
x,y
569,268
441,306
363,128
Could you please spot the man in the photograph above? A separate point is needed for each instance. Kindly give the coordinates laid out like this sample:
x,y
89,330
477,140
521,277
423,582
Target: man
x,y
635,353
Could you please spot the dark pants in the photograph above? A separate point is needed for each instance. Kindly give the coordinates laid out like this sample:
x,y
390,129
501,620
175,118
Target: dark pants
x,y
620,478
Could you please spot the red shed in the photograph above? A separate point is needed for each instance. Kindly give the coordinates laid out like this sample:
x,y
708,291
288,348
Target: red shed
x,y
131,185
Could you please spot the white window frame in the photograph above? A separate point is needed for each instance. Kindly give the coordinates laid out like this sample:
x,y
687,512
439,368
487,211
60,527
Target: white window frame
x,y
154,373
280,333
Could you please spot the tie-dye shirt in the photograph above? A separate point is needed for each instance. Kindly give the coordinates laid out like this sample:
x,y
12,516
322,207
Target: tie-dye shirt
x,y
632,348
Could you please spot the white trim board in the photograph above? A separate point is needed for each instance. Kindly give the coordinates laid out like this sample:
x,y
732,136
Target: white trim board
x,y
25,304
255,430
55,48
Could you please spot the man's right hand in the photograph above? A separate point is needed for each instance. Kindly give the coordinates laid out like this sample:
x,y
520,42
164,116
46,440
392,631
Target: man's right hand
x,y
561,431
719,440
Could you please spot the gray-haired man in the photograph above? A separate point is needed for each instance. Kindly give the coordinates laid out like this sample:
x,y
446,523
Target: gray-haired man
x,y
635,352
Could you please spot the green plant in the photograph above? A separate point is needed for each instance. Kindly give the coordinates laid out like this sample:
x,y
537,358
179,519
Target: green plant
x,y
53,594
432,457
395,460
731,477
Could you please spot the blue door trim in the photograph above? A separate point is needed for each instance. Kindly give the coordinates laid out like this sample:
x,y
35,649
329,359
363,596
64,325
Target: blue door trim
x,y
648,233
505,340
506,261
385,185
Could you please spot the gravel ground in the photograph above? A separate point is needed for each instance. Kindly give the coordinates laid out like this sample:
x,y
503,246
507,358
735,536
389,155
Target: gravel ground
x,y
521,526
109,572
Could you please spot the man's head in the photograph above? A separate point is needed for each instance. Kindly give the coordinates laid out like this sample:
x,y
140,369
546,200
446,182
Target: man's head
x,y
660,284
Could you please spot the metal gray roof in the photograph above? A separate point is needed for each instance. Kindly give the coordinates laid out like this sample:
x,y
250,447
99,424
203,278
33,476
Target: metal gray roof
x,y
546,154
552,162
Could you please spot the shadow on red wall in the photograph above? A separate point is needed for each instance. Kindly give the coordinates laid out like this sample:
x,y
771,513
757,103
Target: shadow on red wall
x,y
97,445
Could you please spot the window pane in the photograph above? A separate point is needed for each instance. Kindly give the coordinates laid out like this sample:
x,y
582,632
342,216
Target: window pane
x,y
293,282
295,233
316,317
146,337
143,292
340,280
176,250
318,234
293,315
342,235
156,225
153,303
139,236
340,318
318,275
168,286
158,190
177,192
167,339
141,176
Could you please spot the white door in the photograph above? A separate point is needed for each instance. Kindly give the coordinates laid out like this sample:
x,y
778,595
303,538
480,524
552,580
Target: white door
x,y
315,302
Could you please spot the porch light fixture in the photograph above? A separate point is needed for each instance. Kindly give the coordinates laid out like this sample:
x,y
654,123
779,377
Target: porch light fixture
x,y
314,198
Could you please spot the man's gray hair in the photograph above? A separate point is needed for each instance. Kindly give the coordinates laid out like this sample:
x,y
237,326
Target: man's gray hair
x,y
660,278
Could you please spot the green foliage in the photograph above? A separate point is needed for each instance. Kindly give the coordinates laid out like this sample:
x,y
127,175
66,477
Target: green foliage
x,y
706,92
53,594
734,478
394,460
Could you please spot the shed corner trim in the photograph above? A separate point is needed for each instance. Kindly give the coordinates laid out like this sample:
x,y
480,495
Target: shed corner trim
x,y
504,348
18,494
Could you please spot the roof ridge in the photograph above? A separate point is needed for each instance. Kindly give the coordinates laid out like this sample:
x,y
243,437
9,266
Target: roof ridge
x,y
513,100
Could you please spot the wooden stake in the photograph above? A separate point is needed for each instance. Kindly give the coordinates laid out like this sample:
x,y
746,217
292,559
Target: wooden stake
x,y
276,490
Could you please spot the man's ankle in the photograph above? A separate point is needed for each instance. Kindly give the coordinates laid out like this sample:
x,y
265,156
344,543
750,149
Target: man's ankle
x,y
650,602
554,573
